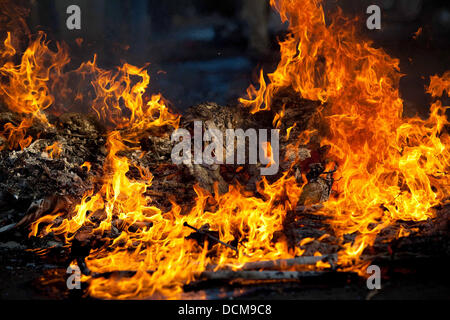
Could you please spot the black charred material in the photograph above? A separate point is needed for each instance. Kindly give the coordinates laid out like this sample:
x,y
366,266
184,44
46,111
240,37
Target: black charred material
x,y
79,251
316,169
204,234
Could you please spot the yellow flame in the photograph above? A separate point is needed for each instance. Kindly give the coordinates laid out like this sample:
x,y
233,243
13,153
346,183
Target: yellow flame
x,y
390,168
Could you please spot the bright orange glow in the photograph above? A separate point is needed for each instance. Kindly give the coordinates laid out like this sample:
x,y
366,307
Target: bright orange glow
x,y
86,165
389,168
54,150
26,91
439,85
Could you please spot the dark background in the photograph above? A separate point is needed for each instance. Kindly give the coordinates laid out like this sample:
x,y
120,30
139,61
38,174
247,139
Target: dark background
x,y
204,50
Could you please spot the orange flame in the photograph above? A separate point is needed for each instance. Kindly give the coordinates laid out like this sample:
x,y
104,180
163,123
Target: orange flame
x,y
26,89
390,168
54,150
417,33
439,85
9,48
86,165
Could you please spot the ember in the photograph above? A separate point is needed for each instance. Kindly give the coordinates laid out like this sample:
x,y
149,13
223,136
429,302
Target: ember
x,y
355,181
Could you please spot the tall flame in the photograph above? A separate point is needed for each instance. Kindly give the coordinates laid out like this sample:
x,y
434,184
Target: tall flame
x,y
390,168
26,90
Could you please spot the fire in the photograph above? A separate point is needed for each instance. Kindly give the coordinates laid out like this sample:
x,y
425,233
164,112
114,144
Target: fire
x,y
9,50
389,168
417,33
86,165
164,260
26,90
54,150
439,85
16,136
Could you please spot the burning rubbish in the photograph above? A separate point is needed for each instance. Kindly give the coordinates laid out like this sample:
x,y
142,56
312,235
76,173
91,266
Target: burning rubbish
x,y
259,147
354,179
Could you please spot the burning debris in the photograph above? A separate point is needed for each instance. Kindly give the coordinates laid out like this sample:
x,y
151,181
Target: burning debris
x,y
356,181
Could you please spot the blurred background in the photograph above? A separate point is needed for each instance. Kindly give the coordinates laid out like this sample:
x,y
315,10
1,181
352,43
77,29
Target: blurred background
x,y
203,50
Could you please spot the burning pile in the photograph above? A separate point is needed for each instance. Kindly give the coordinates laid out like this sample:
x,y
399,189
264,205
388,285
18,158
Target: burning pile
x,y
352,166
